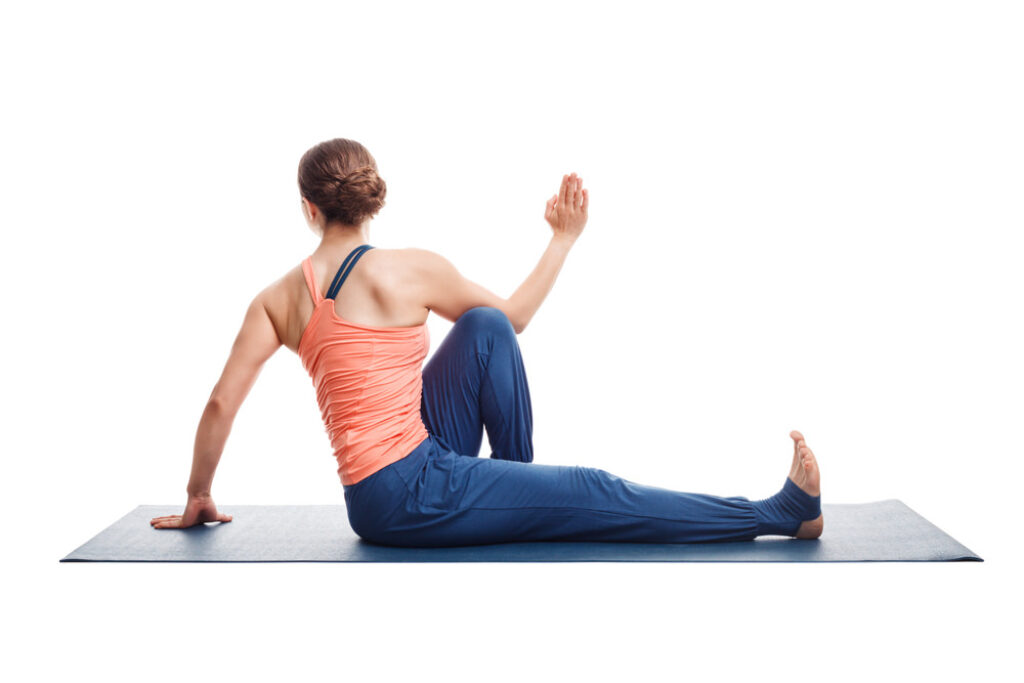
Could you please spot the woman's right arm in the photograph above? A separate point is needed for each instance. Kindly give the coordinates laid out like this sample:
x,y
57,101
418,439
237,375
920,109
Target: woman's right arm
x,y
449,294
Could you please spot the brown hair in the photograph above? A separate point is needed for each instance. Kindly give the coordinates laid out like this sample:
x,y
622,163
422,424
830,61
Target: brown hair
x,y
340,177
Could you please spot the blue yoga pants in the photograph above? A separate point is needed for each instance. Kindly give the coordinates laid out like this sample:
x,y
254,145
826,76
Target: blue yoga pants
x,y
443,494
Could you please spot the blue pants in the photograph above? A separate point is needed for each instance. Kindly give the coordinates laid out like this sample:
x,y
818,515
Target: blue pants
x,y
442,494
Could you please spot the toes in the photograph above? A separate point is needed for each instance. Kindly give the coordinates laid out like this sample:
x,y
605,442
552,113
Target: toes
x,y
798,439
807,458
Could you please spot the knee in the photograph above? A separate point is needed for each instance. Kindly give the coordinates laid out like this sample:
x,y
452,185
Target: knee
x,y
487,319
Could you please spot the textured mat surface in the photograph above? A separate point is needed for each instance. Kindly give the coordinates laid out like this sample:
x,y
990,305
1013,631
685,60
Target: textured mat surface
x,y
885,531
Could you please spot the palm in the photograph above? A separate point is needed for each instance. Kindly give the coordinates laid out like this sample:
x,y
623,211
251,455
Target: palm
x,y
566,211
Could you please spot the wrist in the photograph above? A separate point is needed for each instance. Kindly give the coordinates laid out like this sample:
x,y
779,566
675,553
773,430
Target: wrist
x,y
564,240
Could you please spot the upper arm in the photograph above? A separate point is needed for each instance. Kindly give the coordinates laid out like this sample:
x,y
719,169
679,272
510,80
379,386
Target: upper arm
x,y
446,292
256,342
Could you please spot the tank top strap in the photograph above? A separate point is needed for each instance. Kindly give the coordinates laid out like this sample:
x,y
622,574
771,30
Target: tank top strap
x,y
346,268
307,270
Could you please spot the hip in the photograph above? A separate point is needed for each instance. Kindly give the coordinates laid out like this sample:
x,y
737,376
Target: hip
x,y
385,497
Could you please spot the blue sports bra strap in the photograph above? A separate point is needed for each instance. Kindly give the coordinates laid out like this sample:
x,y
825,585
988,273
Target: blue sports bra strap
x,y
346,268
344,265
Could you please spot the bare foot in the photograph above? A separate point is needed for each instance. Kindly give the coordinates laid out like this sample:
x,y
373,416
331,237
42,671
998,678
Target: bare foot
x,y
804,473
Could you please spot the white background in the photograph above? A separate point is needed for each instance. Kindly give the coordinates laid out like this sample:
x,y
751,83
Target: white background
x,y
803,215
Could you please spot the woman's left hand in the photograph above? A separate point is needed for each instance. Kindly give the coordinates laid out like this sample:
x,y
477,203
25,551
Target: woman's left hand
x,y
198,509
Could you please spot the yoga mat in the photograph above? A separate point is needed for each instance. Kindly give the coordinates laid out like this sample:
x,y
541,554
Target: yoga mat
x,y
885,531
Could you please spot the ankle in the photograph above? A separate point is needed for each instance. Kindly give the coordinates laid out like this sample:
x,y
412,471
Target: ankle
x,y
783,513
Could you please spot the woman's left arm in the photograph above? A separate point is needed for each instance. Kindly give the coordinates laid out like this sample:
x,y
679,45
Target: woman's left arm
x,y
256,342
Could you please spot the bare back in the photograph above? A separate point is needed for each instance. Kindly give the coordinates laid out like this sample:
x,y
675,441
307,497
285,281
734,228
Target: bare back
x,y
382,290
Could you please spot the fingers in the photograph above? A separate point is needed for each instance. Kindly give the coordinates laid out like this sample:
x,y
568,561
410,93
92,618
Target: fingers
x,y
169,522
571,193
577,191
563,192
174,521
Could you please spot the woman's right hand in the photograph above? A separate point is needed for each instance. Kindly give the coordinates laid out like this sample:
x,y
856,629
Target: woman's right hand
x,y
566,212
198,510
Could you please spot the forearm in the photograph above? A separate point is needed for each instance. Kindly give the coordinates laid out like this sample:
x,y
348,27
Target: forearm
x,y
212,434
531,294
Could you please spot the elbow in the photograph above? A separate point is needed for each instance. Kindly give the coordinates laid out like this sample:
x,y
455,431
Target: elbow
x,y
218,405
518,324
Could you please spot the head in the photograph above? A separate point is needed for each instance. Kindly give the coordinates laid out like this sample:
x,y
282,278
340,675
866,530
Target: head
x,y
339,185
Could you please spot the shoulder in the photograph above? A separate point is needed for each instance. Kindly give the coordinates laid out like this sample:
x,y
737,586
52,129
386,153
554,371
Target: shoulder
x,y
421,261
414,271
279,296
284,284
389,262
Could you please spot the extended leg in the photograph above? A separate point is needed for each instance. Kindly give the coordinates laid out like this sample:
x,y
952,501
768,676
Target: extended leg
x,y
476,379
436,497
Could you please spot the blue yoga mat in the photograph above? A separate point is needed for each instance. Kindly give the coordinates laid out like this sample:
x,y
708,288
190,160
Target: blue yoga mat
x,y
885,531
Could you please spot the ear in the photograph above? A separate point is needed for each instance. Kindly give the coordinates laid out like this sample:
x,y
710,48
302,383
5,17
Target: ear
x,y
312,214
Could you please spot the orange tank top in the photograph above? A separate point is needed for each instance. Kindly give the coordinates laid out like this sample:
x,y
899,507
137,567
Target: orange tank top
x,y
368,383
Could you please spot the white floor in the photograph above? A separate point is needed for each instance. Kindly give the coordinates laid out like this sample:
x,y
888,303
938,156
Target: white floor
x,y
650,621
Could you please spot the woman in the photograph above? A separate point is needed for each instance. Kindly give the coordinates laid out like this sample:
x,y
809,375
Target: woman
x,y
406,441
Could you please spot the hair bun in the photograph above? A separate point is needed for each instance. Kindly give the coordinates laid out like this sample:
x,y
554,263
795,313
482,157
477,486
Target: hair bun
x,y
362,191
341,178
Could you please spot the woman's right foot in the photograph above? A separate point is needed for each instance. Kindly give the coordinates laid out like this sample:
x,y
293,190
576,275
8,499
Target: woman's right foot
x,y
805,474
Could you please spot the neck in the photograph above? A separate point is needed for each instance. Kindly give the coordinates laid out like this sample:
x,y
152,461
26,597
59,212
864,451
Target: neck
x,y
339,240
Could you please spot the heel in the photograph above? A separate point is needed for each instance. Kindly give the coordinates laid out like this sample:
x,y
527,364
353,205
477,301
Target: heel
x,y
783,513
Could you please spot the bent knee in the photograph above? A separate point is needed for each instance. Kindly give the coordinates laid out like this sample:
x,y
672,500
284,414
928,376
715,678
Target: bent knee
x,y
487,318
